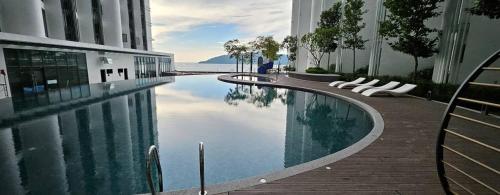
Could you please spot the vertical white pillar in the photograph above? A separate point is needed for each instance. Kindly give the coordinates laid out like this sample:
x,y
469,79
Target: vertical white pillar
x,y
303,28
85,21
111,22
55,21
22,17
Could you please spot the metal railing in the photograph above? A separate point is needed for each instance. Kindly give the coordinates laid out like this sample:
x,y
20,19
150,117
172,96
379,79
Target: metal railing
x,y
467,153
153,156
202,169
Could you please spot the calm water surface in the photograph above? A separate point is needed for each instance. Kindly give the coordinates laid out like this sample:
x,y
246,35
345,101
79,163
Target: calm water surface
x,y
247,131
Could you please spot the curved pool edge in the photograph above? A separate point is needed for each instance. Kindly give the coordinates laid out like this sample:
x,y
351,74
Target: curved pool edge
x,y
378,127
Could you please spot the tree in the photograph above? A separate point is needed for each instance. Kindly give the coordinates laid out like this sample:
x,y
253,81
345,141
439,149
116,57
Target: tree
x,y
490,8
232,50
268,46
351,27
331,18
321,41
405,26
291,45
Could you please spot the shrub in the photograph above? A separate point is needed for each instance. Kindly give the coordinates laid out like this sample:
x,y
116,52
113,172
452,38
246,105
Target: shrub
x,y
288,68
363,70
425,74
316,70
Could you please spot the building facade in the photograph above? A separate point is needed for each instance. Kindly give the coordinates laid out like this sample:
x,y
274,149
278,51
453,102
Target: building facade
x,y
465,41
53,44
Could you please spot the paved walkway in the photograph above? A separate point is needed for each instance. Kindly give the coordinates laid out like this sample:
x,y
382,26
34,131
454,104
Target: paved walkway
x,y
401,161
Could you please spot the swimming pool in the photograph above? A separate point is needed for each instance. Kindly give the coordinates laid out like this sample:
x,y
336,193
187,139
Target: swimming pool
x,y
254,78
247,130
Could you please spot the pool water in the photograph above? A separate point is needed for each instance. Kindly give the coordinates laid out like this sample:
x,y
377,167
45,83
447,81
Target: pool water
x,y
247,131
254,78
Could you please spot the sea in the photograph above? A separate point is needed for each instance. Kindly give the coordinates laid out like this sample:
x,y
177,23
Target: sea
x,y
185,66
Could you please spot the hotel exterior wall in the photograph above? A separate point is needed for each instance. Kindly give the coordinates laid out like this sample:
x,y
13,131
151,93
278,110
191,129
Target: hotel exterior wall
x,y
94,64
111,17
476,43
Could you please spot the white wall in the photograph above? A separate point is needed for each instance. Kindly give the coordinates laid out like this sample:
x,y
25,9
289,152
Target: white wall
x,y
95,65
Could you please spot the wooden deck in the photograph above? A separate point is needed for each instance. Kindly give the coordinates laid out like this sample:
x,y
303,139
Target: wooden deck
x,y
401,161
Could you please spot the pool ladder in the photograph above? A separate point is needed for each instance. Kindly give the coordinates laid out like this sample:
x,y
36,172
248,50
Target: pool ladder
x,y
153,156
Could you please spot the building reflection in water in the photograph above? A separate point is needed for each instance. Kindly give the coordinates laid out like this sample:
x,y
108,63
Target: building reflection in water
x,y
318,125
95,149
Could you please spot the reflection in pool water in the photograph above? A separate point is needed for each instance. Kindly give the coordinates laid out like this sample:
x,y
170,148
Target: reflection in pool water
x,y
254,78
248,131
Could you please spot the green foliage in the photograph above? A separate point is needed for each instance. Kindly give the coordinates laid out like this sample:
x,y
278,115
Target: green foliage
x,y
318,43
288,68
290,44
316,70
362,70
268,46
235,50
331,17
351,26
405,26
490,8
423,74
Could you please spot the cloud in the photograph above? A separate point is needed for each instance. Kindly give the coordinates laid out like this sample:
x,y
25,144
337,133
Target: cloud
x,y
252,18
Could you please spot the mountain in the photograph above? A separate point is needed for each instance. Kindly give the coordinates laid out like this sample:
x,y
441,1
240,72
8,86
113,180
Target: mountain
x,y
225,59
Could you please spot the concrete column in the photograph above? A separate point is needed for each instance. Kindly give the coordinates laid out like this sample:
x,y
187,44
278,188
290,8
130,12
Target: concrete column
x,y
294,31
22,17
55,21
111,22
303,28
85,21
125,22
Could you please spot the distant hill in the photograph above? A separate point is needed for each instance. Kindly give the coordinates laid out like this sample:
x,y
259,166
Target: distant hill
x,y
225,59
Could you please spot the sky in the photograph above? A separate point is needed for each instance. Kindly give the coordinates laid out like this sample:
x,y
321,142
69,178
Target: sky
x,y
195,30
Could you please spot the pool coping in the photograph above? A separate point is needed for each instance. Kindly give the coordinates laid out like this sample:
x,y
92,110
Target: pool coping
x,y
378,127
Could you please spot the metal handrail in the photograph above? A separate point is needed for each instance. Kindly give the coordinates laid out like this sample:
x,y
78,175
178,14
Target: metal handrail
x,y
202,169
484,66
153,155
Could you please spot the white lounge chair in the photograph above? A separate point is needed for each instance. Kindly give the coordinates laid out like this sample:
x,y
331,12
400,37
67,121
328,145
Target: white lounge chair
x,y
336,83
398,91
387,86
351,85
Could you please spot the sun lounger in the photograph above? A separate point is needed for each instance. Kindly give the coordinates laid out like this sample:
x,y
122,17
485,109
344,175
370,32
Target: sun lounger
x,y
398,91
336,83
387,86
351,85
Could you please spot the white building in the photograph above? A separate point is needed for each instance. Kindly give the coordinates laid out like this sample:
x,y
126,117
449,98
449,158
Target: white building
x,y
57,44
466,40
